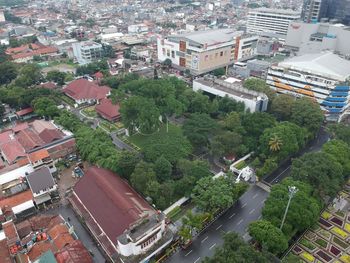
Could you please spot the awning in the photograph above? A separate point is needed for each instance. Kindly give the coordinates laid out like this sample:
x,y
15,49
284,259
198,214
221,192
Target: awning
x,y
22,207
42,199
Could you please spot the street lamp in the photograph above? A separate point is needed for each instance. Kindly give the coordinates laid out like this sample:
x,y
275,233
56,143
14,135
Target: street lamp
x,y
292,190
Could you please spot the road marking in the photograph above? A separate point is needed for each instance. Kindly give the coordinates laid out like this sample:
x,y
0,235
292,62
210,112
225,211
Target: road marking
x,y
212,246
204,239
244,205
197,260
254,196
232,215
281,173
218,227
259,217
252,211
240,221
262,201
188,253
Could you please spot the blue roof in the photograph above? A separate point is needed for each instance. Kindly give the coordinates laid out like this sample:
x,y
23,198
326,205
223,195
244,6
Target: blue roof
x,y
341,88
335,99
333,104
338,93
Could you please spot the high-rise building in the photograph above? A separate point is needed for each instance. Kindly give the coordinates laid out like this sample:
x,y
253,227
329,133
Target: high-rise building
x,y
87,52
204,51
322,77
339,10
267,20
313,10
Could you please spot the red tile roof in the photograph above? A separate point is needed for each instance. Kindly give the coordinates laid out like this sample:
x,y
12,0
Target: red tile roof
x,y
24,228
30,50
40,248
108,110
74,253
60,236
12,150
20,126
17,199
5,136
84,89
4,252
45,221
38,155
114,204
10,233
24,111
29,139
98,75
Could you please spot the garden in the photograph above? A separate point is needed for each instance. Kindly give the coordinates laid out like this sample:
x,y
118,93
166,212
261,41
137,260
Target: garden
x,y
329,240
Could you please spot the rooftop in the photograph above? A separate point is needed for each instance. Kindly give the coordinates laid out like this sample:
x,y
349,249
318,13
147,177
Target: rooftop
x,y
275,11
84,89
325,64
40,179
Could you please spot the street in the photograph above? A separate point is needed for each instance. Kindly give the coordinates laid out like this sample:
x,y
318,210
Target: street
x,y
237,219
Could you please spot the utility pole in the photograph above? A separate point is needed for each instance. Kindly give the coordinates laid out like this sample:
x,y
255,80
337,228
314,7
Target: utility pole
x,y
292,190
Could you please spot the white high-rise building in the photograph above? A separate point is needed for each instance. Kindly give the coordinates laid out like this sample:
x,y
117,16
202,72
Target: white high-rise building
x,y
267,20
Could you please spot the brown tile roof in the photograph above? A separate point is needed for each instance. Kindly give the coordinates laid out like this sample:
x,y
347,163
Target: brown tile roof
x,y
12,150
29,139
84,89
10,233
40,248
4,252
74,253
40,125
24,111
114,204
17,199
107,109
38,155
24,228
60,236
20,126
5,137
44,221
48,135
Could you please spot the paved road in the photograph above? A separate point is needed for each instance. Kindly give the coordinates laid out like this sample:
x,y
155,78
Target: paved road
x,y
237,219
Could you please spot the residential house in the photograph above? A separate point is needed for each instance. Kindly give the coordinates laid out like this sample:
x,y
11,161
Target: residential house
x,y
107,110
42,185
84,91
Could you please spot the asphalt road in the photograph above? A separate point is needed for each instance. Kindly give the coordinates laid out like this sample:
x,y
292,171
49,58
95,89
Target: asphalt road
x,y
237,219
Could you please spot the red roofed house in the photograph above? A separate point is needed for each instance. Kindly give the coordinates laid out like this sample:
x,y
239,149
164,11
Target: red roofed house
x,y
24,114
117,216
26,52
75,252
12,151
108,110
84,91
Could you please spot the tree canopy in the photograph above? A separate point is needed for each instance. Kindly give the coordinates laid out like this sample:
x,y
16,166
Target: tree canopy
x,y
8,72
281,106
45,107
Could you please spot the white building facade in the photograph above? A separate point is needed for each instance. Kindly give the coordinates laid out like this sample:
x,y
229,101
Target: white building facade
x,y
275,21
322,77
87,52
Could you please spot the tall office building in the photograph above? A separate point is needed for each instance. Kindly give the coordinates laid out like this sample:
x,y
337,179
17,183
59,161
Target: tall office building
x,y
313,10
339,10
267,20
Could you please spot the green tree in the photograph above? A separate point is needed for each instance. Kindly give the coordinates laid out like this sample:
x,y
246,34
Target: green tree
x,y
29,75
303,211
235,250
211,194
219,72
45,107
307,113
141,114
163,169
199,128
126,163
227,105
227,142
56,76
268,236
142,176
275,143
260,86
8,72
323,173
339,131
340,151
281,106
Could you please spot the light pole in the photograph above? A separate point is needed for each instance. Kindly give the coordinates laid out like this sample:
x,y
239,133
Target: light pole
x,y
292,190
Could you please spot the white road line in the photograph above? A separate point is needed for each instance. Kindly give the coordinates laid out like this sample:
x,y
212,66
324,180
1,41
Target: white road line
x,y
204,239
259,217
244,205
232,215
197,260
240,221
188,253
218,227
252,211
212,246
254,196
262,201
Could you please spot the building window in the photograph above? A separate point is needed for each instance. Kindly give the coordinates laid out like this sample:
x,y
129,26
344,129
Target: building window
x,y
173,54
148,242
163,50
221,53
168,53
182,46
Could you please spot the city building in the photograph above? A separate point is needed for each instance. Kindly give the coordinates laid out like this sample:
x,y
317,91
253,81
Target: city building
x,y
108,110
232,88
313,10
203,51
267,20
27,52
121,221
322,77
338,11
84,91
87,52
2,17
316,37
42,185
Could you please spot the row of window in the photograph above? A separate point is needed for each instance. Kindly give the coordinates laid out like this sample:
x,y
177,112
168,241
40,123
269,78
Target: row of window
x,y
148,242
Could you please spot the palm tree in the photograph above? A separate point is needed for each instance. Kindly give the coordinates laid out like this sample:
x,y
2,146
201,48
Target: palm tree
x,y
275,143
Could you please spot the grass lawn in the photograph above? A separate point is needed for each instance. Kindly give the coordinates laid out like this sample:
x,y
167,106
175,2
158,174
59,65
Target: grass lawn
x,y
108,126
90,112
141,140
67,100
